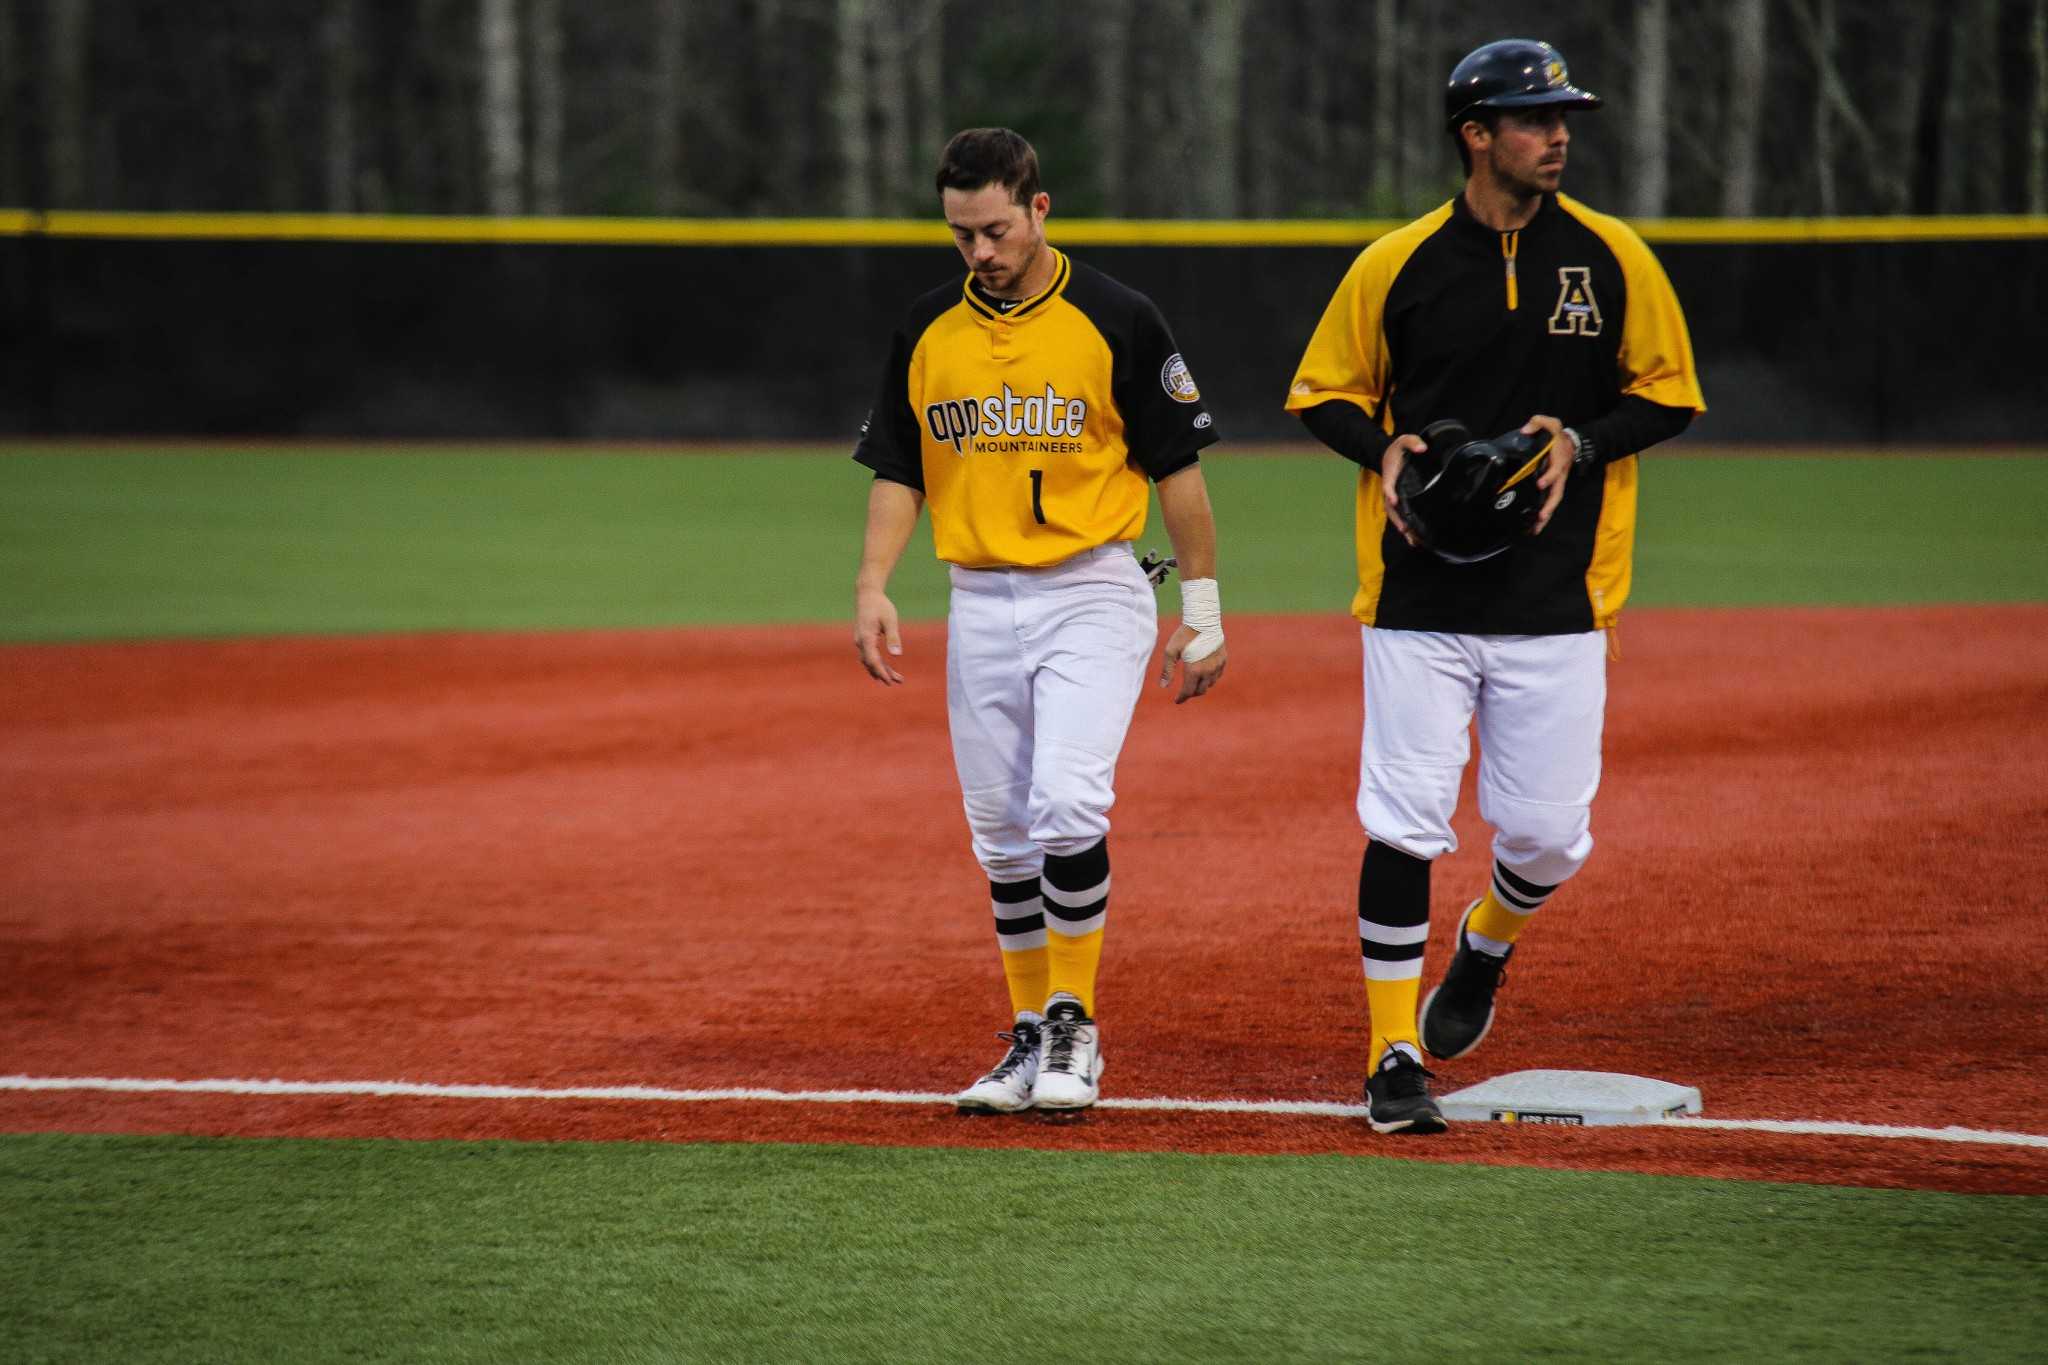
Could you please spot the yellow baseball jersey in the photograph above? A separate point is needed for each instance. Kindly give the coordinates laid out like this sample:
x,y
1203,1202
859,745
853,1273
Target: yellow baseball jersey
x,y
1449,318
1032,427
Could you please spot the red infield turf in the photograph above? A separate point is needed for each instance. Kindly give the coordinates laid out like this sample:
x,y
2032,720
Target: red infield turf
x,y
723,858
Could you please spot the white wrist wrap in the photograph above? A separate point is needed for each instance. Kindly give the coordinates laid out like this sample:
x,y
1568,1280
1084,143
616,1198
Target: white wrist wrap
x,y
1201,610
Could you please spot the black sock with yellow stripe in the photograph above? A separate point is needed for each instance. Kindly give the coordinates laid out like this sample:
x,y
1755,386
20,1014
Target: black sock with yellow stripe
x,y
1076,892
1393,930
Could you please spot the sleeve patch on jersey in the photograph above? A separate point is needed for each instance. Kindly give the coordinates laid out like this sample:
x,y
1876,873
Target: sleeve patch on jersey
x,y
1178,383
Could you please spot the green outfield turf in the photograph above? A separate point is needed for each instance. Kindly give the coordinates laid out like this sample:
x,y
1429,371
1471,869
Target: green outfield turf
x,y
128,543
195,1249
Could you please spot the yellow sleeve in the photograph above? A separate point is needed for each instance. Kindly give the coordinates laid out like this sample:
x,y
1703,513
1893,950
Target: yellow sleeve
x,y
1347,354
1656,351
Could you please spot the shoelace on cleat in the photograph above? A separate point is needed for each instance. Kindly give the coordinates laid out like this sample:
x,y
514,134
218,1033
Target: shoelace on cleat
x,y
1482,975
1060,1040
1406,1081
1020,1052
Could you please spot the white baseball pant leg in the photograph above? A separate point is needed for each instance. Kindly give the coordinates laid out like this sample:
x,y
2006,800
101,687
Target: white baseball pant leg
x,y
1540,702
1043,671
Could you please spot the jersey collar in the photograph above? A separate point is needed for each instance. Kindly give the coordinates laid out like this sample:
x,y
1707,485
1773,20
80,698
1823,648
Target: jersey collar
x,y
1461,212
1062,270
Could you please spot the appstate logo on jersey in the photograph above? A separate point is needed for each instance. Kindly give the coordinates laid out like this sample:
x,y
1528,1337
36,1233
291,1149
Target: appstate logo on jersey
x,y
962,423
1577,312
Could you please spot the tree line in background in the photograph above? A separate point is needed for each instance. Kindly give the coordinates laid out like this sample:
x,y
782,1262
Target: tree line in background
x,y
1140,108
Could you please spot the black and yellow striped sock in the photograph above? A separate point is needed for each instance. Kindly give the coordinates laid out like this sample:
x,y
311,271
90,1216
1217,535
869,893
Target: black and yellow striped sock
x,y
1076,891
1503,913
1393,930
1020,933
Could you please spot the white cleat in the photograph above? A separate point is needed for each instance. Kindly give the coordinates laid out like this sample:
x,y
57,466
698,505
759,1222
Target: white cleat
x,y
1070,1065
1008,1088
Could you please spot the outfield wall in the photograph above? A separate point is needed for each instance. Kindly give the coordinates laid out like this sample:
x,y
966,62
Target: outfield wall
x,y
1889,331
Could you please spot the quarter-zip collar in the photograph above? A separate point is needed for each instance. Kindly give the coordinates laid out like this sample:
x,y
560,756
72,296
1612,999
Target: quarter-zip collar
x,y
1510,241
1062,270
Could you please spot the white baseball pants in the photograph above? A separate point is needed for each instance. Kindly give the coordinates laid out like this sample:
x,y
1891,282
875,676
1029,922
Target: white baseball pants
x,y
1540,701
1043,671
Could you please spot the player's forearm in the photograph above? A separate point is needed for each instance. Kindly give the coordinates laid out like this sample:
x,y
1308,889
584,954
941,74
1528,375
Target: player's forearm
x,y
892,516
1633,426
1190,522
1345,428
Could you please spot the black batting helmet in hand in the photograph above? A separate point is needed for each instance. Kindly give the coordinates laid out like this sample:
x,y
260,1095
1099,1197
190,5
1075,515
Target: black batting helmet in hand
x,y
1466,500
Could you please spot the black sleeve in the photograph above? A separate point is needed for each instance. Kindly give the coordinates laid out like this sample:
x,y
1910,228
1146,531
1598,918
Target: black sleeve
x,y
1634,426
889,442
1165,423
1345,428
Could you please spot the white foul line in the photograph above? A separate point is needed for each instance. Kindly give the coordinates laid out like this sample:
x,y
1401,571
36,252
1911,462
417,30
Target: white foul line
x,y
649,1094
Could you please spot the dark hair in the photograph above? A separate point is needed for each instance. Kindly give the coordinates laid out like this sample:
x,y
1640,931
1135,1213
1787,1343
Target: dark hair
x,y
1488,119
990,156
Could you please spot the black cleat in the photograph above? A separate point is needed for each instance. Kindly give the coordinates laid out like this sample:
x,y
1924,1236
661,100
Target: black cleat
x,y
1457,1014
1397,1097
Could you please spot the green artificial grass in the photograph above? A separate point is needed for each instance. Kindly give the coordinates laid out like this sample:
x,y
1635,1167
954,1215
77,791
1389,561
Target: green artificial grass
x,y
131,543
181,1249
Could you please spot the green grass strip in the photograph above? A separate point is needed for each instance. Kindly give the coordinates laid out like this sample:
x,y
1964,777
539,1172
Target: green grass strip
x,y
180,1249
133,543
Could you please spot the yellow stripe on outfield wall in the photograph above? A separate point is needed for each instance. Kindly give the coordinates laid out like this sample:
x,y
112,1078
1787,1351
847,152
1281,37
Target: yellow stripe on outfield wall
x,y
286,227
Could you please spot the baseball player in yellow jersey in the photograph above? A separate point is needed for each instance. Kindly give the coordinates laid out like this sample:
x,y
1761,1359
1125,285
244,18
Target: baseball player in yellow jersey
x,y
1512,307
1029,405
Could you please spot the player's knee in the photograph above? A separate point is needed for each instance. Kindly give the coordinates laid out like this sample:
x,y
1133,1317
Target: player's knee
x,y
1002,839
1414,817
1066,823
1543,843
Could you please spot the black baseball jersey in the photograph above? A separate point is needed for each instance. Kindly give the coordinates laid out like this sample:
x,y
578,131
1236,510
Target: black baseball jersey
x,y
1570,316
1032,430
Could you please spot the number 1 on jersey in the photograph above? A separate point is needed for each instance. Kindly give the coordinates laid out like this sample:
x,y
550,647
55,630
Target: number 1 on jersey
x,y
1038,496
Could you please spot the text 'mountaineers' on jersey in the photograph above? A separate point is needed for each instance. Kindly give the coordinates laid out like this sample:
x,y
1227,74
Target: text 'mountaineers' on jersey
x,y
1032,431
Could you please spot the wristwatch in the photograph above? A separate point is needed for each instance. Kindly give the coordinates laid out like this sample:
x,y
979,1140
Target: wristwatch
x,y
1583,446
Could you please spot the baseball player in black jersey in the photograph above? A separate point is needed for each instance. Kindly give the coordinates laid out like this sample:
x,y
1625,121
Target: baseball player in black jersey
x,y
1511,308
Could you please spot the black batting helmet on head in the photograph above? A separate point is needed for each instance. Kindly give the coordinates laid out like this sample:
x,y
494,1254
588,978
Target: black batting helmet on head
x,y
1513,73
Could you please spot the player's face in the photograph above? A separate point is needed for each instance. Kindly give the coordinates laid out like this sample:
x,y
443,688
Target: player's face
x,y
1526,153
999,238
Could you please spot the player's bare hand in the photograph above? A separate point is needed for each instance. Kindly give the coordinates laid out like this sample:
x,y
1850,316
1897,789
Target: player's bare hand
x,y
1398,451
1197,676
1557,467
876,636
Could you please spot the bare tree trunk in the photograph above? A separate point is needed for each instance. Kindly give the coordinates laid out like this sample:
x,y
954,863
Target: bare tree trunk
x,y
1900,111
665,107
892,101
1109,109
850,108
1219,57
12,190
1151,187
1823,42
1651,126
2037,130
1746,20
1970,147
1422,97
338,124
928,81
1315,102
504,143
1386,111
64,101
544,18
